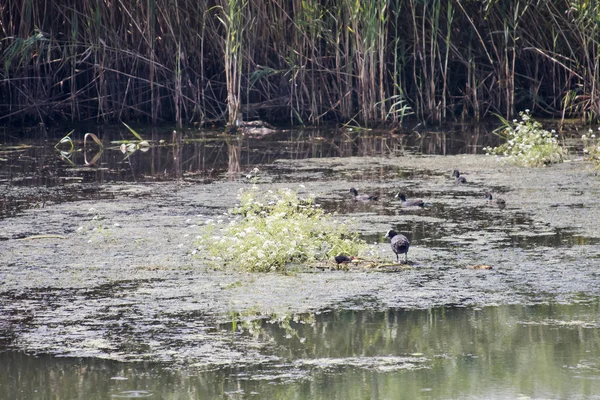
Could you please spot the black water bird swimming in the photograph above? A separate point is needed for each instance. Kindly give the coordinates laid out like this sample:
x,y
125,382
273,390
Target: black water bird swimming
x,y
499,202
363,197
459,179
409,203
399,243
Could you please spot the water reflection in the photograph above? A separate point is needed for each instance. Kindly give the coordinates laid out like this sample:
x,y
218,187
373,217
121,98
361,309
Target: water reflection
x,y
541,351
77,173
174,156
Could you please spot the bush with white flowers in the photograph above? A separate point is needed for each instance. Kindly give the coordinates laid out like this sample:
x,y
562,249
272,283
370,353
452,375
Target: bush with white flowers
x,y
591,147
272,229
527,143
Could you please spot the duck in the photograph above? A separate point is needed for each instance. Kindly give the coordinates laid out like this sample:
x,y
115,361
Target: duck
x,y
459,179
362,197
409,203
490,198
399,243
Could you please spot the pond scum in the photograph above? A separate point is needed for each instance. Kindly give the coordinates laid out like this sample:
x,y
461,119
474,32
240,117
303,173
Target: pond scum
x,y
274,229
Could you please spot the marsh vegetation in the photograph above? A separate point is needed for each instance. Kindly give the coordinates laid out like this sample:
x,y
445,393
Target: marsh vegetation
x,y
300,62
527,143
270,230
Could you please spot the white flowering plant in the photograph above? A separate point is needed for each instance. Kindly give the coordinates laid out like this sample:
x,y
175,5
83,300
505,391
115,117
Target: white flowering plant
x,y
528,143
591,147
269,230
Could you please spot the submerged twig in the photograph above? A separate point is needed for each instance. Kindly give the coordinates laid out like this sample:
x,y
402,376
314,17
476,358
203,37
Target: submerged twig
x,y
43,237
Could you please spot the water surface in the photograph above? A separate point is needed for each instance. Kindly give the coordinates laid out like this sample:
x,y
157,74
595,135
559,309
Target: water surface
x,y
544,351
96,269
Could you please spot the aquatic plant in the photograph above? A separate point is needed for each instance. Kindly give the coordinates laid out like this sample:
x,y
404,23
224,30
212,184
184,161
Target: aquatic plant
x,y
97,229
269,230
528,143
591,148
66,139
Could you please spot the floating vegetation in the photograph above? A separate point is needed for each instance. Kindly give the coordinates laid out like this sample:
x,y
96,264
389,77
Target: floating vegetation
x,y
132,394
482,266
563,323
66,139
97,228
66,146
270,230
527,143
127,146
378,363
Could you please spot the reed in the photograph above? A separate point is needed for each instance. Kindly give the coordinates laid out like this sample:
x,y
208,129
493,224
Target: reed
x,y
296,61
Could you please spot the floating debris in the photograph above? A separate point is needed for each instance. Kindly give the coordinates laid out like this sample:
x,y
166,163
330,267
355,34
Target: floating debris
x,y
481,267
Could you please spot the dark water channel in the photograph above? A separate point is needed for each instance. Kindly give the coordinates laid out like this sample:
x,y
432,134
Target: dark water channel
x,y
535,337
545,351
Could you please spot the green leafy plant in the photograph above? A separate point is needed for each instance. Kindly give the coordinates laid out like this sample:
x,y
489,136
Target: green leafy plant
x,y
528,143
272,229
591,148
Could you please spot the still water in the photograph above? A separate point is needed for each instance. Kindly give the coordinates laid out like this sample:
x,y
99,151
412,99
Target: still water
x,y
540,351
207,155
37,172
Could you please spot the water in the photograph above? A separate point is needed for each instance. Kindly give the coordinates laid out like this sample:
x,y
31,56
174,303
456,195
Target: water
x,y
36,172
543,351
149,312
210,154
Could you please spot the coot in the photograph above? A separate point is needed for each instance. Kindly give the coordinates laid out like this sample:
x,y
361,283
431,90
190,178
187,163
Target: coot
x,y
409,203
459,179
500,202
342,259
399,243
362,197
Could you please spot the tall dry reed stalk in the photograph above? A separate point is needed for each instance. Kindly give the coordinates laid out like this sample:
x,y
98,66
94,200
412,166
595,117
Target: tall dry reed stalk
x,y
297,61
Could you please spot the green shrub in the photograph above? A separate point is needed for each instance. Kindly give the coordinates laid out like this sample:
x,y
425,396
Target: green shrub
x,y
527,143
268,231
591,148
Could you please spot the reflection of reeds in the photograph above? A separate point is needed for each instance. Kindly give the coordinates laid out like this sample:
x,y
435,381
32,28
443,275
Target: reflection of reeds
x,y
304,61
234,154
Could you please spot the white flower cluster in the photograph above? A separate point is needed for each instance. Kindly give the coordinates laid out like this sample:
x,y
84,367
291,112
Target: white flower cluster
x,y
527,143
591,147
275,229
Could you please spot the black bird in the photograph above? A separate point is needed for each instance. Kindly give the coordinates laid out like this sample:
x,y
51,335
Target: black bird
x,y
500,202
409,203
459,179
362,197
399,243
342,259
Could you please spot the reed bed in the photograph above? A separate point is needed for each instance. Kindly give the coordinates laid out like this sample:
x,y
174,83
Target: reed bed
x,y
297,61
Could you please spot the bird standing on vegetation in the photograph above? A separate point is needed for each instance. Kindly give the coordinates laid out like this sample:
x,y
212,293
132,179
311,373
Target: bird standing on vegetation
x,y
499,202
399,243
459,179
343,259
362,197
409,203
